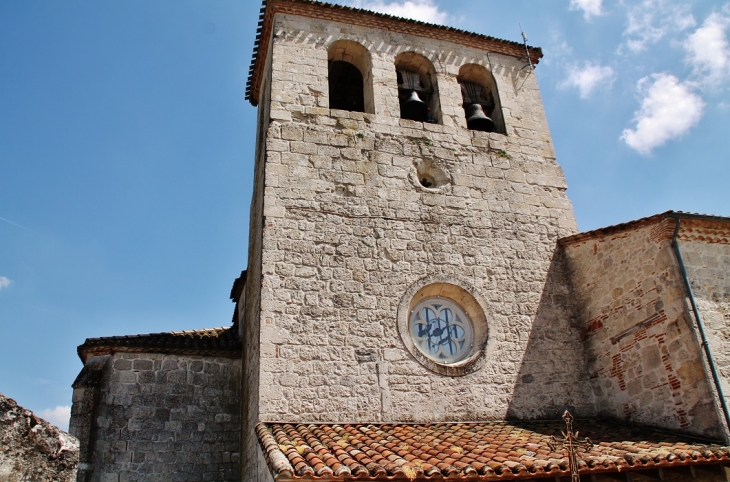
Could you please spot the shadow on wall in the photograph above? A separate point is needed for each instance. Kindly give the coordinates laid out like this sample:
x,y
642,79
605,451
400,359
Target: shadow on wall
x,y
553,375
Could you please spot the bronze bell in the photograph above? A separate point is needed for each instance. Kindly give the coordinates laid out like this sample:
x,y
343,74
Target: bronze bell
x,y
414,108
477,120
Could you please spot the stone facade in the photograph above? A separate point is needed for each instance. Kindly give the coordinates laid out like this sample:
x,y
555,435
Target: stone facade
x,y
341,230
643,352
158,417
348,230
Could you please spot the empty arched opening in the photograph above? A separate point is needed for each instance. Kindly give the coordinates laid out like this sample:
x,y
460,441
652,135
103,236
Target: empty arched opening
x,y
350,77
482,107
346,87
417,88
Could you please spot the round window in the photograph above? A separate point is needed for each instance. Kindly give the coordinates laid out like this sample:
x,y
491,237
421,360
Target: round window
x,y
441,330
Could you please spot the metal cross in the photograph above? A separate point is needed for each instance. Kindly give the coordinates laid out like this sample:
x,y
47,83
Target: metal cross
x,y
570,444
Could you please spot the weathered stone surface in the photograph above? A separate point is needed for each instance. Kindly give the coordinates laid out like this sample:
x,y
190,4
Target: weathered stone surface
x,y
155,417
644,358
33,450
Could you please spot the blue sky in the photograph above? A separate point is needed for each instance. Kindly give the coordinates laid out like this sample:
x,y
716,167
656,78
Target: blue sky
x,y
126,150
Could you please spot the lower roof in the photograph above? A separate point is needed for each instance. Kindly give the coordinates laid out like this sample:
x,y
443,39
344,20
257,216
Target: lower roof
x,y
470,451
210,341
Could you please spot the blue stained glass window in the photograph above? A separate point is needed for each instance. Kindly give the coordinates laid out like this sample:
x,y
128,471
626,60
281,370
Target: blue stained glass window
x,y
441,330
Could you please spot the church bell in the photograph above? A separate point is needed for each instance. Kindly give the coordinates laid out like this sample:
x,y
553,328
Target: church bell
x,y
477,120
414,108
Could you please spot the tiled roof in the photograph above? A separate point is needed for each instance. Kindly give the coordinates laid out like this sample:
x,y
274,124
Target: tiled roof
x,y
328,11
618,228
473,451
211,341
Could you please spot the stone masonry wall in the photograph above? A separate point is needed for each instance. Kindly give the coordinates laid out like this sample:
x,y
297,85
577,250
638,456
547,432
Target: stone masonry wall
x,y
166,418
706,251
348,230
249,315
644,358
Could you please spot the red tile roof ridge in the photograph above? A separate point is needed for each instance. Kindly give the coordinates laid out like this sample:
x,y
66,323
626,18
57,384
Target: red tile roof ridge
x,y
200,331
164,333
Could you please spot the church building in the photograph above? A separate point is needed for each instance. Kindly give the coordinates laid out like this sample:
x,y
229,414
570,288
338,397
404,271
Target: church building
x,y
418,302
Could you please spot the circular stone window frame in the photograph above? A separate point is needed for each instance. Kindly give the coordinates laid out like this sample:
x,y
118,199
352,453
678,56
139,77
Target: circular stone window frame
x,y
464,295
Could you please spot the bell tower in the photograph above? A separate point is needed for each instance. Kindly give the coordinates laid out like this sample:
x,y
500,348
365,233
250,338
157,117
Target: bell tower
x,y
403,262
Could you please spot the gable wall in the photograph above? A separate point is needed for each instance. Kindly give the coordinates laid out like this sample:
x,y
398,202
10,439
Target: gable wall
x,y
348,231
644,358
706,251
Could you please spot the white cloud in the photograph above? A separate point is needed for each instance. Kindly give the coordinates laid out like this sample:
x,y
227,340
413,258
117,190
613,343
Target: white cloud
x,y
587,77
423,10
668,110
4,282
651,20
590,7
58,416
708,51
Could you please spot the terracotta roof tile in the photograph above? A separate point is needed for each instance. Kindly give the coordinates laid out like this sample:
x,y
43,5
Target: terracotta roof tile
x,y
477,451
210,341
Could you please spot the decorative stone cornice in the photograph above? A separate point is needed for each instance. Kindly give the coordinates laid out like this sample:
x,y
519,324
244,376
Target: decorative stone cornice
x,y
365,18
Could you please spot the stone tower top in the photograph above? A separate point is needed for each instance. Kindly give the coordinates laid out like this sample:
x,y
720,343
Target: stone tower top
x,y
366,18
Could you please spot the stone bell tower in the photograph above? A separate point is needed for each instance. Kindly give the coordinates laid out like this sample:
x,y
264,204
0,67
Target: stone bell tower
x,y
407,203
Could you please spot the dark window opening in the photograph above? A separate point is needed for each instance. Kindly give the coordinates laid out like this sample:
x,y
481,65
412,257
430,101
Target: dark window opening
x,y
414,97
427,181
346,87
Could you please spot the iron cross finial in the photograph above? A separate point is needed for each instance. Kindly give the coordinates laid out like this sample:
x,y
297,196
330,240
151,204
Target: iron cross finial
x,y
571,445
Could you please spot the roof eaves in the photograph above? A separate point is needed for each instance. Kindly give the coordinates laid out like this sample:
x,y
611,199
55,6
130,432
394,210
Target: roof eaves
x,y
638,223
214,341
699,217
614,229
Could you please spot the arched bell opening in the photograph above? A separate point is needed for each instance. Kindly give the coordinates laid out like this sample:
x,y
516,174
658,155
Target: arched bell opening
x,y
350,77
346,87
417,89
482,108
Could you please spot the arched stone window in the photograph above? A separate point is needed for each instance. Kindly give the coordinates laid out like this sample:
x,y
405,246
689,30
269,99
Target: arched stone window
x,y
350,77
482,108
417,89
